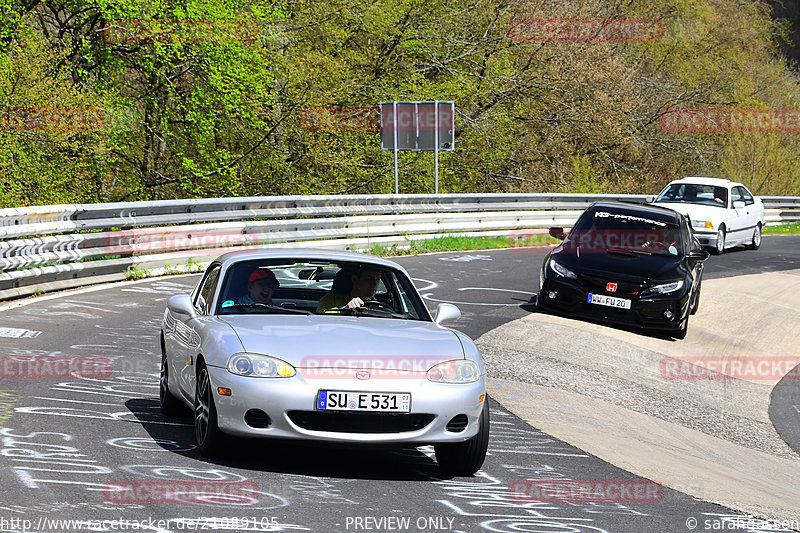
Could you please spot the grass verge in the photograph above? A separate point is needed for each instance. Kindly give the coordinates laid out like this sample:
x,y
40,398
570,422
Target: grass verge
x,y
792,228
452,243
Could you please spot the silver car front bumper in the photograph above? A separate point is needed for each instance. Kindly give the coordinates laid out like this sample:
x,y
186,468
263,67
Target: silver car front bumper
x,y
279,396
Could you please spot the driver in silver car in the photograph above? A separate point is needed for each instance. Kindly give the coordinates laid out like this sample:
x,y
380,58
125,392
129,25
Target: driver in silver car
x,y
364,284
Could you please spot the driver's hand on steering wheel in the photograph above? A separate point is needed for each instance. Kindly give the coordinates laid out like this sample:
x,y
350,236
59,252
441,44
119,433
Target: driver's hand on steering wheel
x,y
355,302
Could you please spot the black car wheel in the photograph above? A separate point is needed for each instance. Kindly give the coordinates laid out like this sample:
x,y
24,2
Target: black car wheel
x,y
696,303
206,431
681,333
465,458
755,244
169,404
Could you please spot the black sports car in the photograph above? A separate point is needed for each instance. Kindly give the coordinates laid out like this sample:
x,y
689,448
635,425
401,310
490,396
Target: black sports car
x,y
627,264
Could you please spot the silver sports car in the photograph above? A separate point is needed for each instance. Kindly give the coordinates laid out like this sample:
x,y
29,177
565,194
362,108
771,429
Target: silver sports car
x,y
325,346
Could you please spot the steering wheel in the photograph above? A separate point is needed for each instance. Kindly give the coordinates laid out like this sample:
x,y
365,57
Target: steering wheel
x,y
377,304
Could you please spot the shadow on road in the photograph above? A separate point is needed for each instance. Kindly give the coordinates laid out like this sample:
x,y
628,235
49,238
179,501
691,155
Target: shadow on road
x,y
288,456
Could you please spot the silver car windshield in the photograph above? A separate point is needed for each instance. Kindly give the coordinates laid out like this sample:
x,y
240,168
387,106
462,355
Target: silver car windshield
x,y
319,288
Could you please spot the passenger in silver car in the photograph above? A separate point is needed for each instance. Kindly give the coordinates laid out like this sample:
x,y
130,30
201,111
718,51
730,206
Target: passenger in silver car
x,y
260,287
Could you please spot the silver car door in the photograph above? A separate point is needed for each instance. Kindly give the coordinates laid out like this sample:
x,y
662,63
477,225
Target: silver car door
x,y
193,330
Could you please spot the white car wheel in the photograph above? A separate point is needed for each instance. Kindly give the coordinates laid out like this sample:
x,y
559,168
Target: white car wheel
x,y
755,244
720,241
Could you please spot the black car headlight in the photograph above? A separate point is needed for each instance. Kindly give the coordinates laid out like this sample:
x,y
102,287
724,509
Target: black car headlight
x,y
663,288
561,270
259,366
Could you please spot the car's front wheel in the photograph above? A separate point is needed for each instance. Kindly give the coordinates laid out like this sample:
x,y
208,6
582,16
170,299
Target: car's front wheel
x,y
681,333
755,244
206,431
720,241
465,458
696,303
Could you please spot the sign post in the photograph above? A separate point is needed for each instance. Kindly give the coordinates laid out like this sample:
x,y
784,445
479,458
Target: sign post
x,y
418,126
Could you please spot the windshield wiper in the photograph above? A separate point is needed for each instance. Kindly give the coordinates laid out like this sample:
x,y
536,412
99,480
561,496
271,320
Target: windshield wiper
x,y
268,306
366,311
627,251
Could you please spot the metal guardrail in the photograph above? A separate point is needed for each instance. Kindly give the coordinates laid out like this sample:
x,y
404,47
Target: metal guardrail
x,y
47,248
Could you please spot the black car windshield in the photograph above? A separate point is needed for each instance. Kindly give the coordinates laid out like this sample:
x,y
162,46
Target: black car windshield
x,y
319,287
693,193
612,231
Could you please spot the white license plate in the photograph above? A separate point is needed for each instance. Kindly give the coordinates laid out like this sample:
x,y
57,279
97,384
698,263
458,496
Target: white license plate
x,y
334,400
610,301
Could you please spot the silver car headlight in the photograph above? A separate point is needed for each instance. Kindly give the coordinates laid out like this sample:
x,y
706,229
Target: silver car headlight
x,y
456,371
561,270
664,288
259,366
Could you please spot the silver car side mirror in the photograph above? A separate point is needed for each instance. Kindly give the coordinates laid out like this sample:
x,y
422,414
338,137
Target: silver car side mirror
x,y
181,304
446,312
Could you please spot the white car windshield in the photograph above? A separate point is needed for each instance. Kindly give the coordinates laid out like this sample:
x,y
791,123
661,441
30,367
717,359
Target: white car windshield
x,y
693,193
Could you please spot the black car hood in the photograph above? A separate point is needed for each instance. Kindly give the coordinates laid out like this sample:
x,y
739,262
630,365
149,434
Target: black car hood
x,y
629,266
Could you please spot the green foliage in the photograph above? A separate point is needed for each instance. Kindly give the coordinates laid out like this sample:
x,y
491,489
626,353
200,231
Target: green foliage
x,y
585,179
136,273
206,98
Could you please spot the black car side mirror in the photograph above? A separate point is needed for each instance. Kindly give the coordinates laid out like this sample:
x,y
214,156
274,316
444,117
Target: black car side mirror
x,y
558,233
698,255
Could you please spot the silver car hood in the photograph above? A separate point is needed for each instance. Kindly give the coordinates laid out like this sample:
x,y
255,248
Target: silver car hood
x,y
296,338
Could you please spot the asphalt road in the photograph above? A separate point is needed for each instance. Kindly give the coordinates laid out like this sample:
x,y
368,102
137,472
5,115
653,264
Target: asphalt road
x,y
63,442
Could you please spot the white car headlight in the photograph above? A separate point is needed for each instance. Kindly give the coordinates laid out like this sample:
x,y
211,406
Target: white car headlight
x,y
664,288
561,270
702,224
259,366
456,371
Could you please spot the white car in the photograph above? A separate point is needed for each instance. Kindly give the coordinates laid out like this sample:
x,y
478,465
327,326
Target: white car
x,y
723,213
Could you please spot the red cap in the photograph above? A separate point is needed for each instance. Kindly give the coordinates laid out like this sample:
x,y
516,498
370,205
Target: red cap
x,y
261,273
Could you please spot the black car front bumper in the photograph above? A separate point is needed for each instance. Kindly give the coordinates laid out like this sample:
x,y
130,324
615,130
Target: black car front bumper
x,y
571,297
